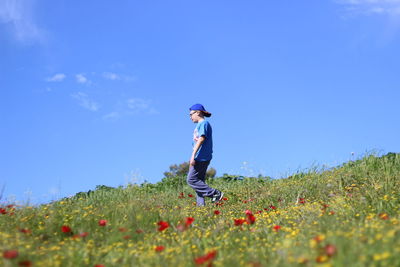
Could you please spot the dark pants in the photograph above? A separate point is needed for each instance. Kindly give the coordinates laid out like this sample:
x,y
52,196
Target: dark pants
x,y
196,179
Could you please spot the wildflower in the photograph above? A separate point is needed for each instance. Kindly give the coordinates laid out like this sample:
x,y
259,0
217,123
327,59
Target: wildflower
x,y
126,237
181,227
3,211
251,219
163,225
10,254
84,234
65,229
25,231
99,265
302,260
272,207
122,229
189,221
159,248
224,198
102,222
25,263
277,228
322,258
181,195
384,216
206,258
330,250
248,212
217,212
319,238
239,221
302,200
139,231
190,195
255,264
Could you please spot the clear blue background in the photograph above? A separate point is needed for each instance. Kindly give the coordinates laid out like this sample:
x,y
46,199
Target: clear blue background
x,y
97,92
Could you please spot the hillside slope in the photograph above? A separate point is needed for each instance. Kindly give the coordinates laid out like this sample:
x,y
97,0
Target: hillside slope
x,y
344,216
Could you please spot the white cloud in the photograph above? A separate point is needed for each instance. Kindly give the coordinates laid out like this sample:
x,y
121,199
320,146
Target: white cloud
x,y
85,102
372,7
136,105
118,77
111,76
112,115
59,77
17,15
80,78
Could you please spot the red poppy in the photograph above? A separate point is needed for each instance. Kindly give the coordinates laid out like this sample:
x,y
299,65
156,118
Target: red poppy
x,y
224,198
206,258
217,212
84,234
163,225
10,254
126,237
99,265
330,250
331,212
122,229
159,248
139,231
190,195
272,207
189,221
25,263
239,221
3,211
251,219
248,212
102,222
25,231
65,229
181,195
277,228
302,200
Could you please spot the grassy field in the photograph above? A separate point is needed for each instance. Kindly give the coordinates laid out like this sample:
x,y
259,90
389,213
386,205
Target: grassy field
x,y
344,216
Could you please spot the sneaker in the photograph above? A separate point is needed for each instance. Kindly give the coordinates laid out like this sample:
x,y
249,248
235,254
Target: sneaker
x,y
217,196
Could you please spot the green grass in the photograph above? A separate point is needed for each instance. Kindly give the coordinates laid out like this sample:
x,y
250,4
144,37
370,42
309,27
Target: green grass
x,y
344,216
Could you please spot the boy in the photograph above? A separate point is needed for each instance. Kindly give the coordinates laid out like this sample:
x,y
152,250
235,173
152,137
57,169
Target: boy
x,y
201,156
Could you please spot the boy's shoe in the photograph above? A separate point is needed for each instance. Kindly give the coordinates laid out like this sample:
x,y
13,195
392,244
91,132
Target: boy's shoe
x,y
217,196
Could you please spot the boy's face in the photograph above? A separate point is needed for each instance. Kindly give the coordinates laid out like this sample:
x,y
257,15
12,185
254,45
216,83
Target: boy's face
x,y
194,116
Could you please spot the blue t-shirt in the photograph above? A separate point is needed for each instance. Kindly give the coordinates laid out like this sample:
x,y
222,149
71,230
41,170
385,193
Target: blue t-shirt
x,y
205,151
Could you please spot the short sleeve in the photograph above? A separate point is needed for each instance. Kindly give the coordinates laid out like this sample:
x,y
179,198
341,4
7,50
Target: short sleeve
x,y
203,129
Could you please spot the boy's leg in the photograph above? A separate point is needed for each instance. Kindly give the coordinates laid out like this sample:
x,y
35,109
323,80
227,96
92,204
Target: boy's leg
x,y
196,179
200,199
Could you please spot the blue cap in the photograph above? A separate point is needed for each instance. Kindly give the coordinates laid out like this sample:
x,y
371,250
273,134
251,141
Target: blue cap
x,y
201,108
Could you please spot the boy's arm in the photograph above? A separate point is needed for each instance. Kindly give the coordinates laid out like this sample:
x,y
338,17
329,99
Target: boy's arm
x,y
196,148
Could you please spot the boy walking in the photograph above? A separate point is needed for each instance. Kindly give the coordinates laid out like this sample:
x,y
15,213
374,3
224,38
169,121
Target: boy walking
x,y
201,156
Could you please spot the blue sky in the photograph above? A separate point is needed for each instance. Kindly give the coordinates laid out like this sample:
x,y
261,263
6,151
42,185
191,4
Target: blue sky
x,y
97,92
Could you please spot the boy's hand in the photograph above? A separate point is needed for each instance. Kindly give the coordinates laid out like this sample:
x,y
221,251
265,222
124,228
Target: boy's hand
x,y
192,161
